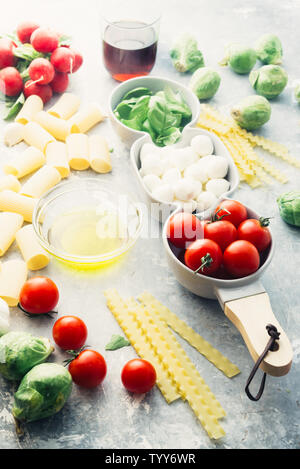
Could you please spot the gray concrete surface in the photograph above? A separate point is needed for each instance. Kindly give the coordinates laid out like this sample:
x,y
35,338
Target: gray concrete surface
x,y
109,417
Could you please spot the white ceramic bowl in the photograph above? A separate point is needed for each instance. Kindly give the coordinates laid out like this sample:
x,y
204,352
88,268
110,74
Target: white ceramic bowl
x,y
163,209
128,135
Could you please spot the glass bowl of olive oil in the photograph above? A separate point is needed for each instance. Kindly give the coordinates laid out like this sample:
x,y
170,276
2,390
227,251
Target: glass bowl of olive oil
x,y
85,222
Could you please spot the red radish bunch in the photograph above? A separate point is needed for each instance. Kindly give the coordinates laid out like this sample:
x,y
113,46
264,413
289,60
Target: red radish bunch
x,y
37,62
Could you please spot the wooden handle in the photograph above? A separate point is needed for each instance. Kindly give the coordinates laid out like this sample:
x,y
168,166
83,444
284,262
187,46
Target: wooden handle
x,y
251,315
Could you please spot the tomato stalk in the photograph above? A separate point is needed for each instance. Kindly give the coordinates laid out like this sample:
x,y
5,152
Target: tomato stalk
x,y
206,261
74,354
31,315
264,221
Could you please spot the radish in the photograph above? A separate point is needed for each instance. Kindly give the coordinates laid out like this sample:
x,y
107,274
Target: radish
x,y
25,29
11,82
60,82
44,40
63,59
7,58
41,71
43,91
78,60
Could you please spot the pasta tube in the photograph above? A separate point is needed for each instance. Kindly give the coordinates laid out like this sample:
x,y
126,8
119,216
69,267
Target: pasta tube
x,y
10,223
57,127
86,119
99,154
78,151
31,107
43,180
9,182
37,136
13,275
65,106
57,156
12,202
34,255
25,163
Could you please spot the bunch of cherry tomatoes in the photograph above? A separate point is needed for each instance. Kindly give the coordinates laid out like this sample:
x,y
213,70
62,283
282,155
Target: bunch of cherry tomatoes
x,y
42,67
88,368
228,246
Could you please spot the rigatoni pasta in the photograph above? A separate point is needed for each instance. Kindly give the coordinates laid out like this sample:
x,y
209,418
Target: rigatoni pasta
x,y
67,105
43,180
10,223
78,151
57,127
99,154
10,182
13,134
13,275
86,119
30,108
12,202
57,156
36,136
25,163
34,255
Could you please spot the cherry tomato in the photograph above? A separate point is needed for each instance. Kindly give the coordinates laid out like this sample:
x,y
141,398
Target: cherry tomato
x,y
237,212
241,258
39,295
203,256
138,376
256,232
69,333
223,232
88,369
183,228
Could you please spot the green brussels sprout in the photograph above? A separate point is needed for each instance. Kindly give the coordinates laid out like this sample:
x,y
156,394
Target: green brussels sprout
x,y
185,54
205,82
269,80
269,49
240,58
289,207
43,392
297,92
252,112
20,351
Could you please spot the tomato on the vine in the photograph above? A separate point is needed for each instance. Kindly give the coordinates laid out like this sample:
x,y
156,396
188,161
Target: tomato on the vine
x,y
241,258
69,333
256,232
203,256
88,369
234,211
138,375
39,295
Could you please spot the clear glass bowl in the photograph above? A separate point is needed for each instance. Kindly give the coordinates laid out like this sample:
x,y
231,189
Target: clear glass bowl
x,y
65,219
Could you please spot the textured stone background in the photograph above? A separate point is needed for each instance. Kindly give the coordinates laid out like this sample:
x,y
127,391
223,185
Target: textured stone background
x,y
109,417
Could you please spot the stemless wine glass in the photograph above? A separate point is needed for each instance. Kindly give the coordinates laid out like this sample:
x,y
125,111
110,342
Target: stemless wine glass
x,y
130,35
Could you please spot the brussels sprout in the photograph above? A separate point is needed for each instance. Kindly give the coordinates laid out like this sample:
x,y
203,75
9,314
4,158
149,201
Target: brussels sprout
x,y
205,82
269,49
297,92
252,112
289,207
240,58
269,80
20,351
43,392
185,54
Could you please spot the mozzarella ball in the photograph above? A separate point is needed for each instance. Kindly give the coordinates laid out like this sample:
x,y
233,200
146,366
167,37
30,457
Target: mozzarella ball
x,y
171,176
202,145
186,189
152,165
217,186
151,181
206,200
217,167
196,171
163,193
148,149
184,157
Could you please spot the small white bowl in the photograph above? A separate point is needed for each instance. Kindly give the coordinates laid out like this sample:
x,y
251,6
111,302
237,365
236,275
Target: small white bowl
x,y
163,209
128,135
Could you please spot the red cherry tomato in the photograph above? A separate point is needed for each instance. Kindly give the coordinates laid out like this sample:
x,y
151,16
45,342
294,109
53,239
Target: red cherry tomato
x,y
222,232
256,232
88,369
237,212
183,228
241,258
39,295
203,256
138,376
69,333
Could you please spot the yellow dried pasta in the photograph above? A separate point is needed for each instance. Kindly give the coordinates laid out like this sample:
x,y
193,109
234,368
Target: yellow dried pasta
x,y
140,344
192,337
199,398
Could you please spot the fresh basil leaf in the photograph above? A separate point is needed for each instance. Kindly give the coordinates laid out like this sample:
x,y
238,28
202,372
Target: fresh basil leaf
x,y
171,136
15,108
140,108
27,52
147,128
134,123
137,93
124,108
161,118
116,342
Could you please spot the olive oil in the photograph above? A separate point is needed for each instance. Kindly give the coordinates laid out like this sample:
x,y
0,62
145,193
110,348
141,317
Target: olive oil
x,y
88,232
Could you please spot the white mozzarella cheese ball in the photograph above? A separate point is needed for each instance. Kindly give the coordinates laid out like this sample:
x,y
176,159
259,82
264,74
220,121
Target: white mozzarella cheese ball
x,y
202,145
163,193
187,206
152,164
217,167
4,317
171,176
148,149
184,157
186,189
151,181
217,186
206,200
196,171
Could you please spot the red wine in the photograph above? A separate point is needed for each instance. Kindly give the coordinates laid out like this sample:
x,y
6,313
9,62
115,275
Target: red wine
x,y
129,49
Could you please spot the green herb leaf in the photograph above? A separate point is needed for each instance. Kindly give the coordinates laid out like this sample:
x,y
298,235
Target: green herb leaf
x,y
15,108
137,93
116,342
27,52
65,41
